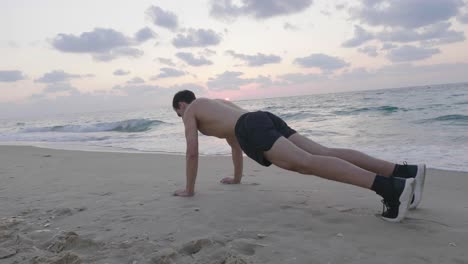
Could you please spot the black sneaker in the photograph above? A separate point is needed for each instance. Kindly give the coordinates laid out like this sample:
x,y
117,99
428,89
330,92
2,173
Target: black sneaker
x,y
396,205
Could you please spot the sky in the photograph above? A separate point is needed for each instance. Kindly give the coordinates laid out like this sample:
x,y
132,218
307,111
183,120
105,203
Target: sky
x,y
83,56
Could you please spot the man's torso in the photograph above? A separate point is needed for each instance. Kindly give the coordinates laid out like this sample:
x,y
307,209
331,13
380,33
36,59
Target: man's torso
x,y
216,117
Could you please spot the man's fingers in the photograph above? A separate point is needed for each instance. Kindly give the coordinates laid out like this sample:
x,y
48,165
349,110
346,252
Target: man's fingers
x,y
227,180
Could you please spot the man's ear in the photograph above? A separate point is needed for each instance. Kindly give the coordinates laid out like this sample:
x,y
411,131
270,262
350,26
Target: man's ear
x,y
182,104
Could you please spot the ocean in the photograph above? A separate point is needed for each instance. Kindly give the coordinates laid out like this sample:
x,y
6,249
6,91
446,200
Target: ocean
x,y
418,124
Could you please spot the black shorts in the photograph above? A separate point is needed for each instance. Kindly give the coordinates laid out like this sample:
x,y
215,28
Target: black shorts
x,y
256,132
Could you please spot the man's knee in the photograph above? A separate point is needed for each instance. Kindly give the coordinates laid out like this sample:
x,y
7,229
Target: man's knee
x,y
312,163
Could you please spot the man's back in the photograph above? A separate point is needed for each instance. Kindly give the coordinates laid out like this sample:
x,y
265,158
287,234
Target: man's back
x,y
216,117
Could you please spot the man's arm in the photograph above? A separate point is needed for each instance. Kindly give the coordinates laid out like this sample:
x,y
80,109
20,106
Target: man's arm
x,y
237,160
191,135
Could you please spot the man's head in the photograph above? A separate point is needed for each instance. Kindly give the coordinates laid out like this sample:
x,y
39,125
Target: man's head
x,y
181,100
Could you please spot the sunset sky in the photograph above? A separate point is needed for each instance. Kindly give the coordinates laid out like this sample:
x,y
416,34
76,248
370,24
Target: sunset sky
x,y
74,56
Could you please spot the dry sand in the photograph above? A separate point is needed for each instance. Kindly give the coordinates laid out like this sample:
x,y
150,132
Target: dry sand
x,y
60,206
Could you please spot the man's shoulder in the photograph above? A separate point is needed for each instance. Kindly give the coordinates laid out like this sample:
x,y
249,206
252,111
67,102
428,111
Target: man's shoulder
x,y
203,100
200,103
196,105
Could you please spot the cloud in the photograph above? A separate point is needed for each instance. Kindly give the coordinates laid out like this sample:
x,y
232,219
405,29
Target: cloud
x,y
207,52
103,44
167,73
264,82
288,26
136,80
195,88
60,88
406,13
322,61
120,72
387,46
165,61
190,59
300,78
97,41
463,18
433,34
340,6
119,52
227,9
197,38
165,19
396,75
13,44
11,76
138,89
369,50
255,60
58,76
325,13
360,36
411,53
144,34
227,81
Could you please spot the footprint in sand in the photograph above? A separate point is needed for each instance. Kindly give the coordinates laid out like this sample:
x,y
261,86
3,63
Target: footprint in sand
x,y
244,246
286,206
61,212
353,211
69,240
63,258
206,250
7,253
127,218
195,246
164,256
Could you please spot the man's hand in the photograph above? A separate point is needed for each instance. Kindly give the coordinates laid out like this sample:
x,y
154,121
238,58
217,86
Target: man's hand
x,y
183,193
229,180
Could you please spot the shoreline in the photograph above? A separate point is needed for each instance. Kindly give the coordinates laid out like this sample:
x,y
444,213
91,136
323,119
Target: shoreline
x,y
100,149
62,206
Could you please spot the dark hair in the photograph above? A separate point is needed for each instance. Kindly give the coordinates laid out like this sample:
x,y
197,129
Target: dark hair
x,y
182,96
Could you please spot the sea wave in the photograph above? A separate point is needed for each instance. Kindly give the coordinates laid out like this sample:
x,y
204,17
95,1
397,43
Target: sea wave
x,y
386,109
128,126
451,119
295,115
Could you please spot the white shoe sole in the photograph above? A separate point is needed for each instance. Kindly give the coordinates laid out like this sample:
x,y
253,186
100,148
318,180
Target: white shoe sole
x,y
419,186
405,200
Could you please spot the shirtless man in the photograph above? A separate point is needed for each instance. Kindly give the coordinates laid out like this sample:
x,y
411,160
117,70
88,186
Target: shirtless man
x,y
268,140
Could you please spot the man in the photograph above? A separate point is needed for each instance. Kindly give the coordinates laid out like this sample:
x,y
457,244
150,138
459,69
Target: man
x,y
268,140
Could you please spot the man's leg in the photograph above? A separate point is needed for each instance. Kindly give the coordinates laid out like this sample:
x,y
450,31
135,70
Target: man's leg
x,y
397,192
287,155
357,158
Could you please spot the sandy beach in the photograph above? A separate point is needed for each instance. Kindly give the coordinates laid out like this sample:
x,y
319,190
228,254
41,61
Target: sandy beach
x,y
61,206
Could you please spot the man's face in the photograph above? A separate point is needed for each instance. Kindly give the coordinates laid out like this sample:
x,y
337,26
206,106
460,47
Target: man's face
x,y
181,110
178,112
